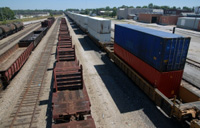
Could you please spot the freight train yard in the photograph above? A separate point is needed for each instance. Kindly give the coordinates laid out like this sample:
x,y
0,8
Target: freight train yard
x,y
66,73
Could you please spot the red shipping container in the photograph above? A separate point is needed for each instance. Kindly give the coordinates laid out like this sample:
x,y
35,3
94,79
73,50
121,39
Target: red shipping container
x,y
167,82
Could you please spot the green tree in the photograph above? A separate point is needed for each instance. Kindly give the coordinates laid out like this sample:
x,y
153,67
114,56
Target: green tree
x,y
6,14
87,11
150,5
187,8
138,7
144,7
114,13
164,7
123,6
174,7
107,8
156,7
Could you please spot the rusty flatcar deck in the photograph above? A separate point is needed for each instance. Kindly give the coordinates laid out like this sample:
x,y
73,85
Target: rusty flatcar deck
x,y
73,109
65,54
70,96
68,75
89,123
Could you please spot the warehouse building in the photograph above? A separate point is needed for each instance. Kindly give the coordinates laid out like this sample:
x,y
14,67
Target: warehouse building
x,y
175,11
149,18
131,13
158,18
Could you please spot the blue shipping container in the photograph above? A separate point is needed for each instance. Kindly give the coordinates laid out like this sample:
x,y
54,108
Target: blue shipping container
x,y
163,51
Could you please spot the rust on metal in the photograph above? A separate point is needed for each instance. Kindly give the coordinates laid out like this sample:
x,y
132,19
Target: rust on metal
x,y
66,54
68,75
89,123
70,96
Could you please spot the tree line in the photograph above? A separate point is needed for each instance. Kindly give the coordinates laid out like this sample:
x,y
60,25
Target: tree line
x,y
36,11
7,14
152,6
113,11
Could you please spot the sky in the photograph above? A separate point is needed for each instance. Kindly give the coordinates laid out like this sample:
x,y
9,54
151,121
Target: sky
x,y
83,4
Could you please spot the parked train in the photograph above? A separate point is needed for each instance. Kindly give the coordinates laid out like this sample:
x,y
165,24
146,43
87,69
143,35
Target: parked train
x,y
8,29
48,22
154,60
14,58
70,101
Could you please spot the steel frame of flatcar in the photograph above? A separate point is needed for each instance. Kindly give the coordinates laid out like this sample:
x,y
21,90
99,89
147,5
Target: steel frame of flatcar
x,y
69,71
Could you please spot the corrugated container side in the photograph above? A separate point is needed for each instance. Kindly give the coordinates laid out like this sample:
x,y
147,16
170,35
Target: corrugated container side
x,y
103,38
188,22
100,25
164,54
167,82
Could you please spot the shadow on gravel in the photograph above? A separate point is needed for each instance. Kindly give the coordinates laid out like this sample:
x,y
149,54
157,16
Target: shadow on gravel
x,y
126,95
49,104
86,42
78,32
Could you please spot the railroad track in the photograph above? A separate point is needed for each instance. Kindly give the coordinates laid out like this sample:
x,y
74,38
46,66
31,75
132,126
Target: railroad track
x,y
26,111
16,37
196,65
188,33
193,63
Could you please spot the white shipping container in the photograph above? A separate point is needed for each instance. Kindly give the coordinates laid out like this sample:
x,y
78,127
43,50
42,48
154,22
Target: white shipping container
x,y
189,23
103,38
84,19
99,25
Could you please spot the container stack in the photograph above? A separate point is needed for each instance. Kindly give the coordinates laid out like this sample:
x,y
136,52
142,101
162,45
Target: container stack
x,y
84,22
98,28
157,56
